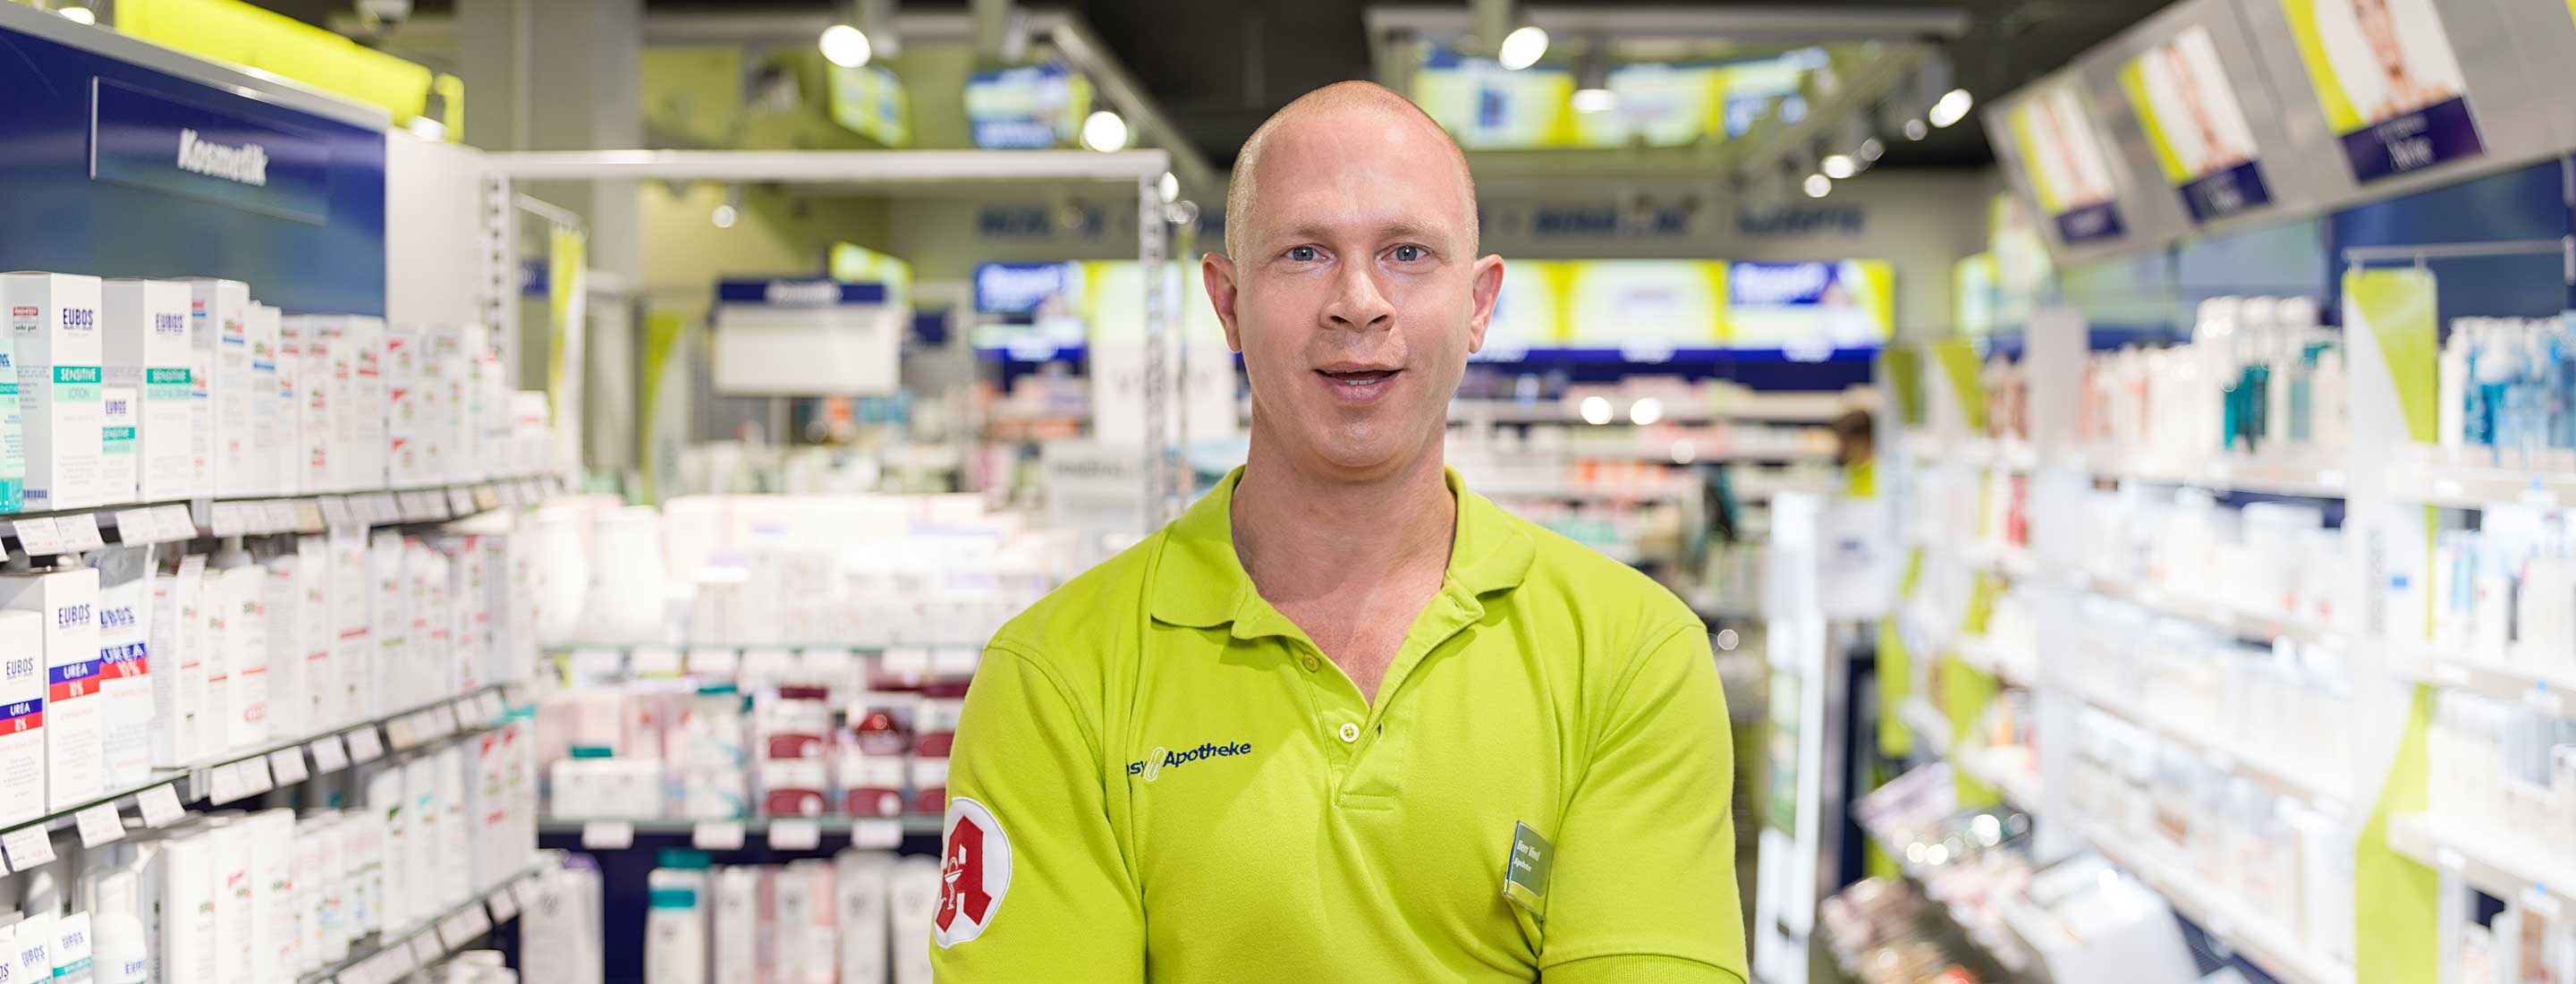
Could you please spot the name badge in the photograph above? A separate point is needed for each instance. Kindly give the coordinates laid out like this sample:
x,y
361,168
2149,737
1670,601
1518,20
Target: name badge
x,y
1525,873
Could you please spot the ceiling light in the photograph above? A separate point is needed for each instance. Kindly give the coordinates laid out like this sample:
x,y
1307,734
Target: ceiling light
x,y
846,46
1818,186
1596,410
1594,101
1522,48
1105,131
1840,166
78,15
1952,108
725,214
1169,187
1870,150
729,210
1916,129
1646,411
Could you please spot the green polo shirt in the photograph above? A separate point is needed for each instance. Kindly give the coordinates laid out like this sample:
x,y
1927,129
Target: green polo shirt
x,y
1159,777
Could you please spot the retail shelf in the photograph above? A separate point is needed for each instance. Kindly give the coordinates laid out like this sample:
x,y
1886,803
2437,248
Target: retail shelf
x,y
2020,787
1570,492
2249,625
2471,486
394,956
1986,656
2305,475
240,774
2008,951
2284,777
1676,411
2494,865
2252,934
862,831
74,530
2542,693
1927,724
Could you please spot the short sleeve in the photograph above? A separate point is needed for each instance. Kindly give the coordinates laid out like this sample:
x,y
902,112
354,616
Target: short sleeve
x,y
1034,886
1643,886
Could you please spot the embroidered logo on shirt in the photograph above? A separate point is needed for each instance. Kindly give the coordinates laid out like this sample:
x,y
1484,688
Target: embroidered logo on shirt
x,y
974,873
1152,765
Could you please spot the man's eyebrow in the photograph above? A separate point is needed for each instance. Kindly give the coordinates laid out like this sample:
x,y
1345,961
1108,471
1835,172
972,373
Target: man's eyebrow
x,y
1398,229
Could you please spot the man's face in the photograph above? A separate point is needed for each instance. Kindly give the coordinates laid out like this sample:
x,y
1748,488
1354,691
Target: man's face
x,y
1356,295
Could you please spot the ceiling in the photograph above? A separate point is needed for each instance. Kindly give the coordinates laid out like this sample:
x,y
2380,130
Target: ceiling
x,y
1219,67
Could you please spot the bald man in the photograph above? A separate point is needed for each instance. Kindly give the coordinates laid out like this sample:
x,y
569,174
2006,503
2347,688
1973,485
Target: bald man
x,y
1346,721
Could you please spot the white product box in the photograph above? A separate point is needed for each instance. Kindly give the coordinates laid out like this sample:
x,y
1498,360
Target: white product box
x,y
22,716
181,876
362,427
125,617
531,426
366,846
389,621
331,366
323,879
860,880
31,951
607,788
244,596
393,815
735,929
424,843
13,445
75,716
120,463
53,326
407,407
213,646
72,949
282,605
456,832
316,626
236,899
306,346
177,647
304,905
433,625
220,317
270,407
794,787
808,910
274,940
353,643
469,599
147,343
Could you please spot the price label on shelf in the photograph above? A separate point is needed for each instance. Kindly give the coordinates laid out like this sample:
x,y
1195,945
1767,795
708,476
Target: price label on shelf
x,y
492,706
425,951
28,847
288,766
876,833
174,522
99,824
335,512
449,721
717,835
402,733
795,834
309,518
161,805
365,745
607,835
224,785
135,525
277,515
329,754
79,531
230,519
504,906
654,661
487,497
255,775
460,500
38,536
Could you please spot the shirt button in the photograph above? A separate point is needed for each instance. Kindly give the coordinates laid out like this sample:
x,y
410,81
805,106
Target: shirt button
x,y
1350,732
1312,665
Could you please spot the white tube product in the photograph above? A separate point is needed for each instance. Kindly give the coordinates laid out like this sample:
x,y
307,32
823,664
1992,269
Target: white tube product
x,y
293,456
423,882
274,940
735,934
22,716
267,421
391,905
913,896
236,899
122,946
73,715
455,848
53,321
433,634
675,926
862,883
179,689
364,844
125,664
314,631
323,880
179,872
243,597
146,340
561,932
120,421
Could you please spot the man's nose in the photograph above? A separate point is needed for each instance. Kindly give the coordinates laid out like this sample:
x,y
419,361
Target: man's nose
x,y
1357,302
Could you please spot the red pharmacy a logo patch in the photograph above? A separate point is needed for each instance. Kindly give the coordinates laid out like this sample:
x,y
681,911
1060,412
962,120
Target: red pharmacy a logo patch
x,y
974,872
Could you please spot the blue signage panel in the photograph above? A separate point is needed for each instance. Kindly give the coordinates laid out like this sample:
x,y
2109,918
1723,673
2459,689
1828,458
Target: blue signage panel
x,y
798,293
311,240
2411,141
1021,288
152,140
2226,192
1028,107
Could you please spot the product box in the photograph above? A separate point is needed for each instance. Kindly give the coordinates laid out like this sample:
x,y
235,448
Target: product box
x,y
31,949
219,312
389,621
408,398
125,579
599,788
433,625
362,427
282,604
859,879
271,413
13,446
306,460
735,924
75,717
147,340
53,327
794,788
424,843
177,646
353,643
22,716
330,368
324,692
391,903
245,642
274,941
180,878
120,418
912,897
872,785
236,899
72,949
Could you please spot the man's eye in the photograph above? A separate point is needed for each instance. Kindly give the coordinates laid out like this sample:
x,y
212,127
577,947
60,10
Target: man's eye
x,y
1303,254
1408,254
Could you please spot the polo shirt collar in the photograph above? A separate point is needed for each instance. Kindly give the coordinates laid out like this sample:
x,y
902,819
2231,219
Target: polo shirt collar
x,y
1199,582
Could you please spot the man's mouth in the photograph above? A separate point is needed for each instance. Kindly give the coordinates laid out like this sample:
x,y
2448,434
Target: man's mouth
x,y
1358,377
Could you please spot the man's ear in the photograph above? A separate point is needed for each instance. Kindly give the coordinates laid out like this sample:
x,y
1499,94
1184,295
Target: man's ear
x,y
1485,285
1218,272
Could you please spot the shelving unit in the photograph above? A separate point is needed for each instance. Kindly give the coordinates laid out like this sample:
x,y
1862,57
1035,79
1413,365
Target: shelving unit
x,y
706,834
2482,486
73,530
2246,932
395,955
2540,693
2484,864
2228,760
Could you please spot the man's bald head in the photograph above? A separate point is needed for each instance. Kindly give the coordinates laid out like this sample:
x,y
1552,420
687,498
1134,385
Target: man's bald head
x,y
1350,116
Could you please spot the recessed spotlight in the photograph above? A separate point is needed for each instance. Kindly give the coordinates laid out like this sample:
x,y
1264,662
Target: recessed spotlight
x,y
1522,48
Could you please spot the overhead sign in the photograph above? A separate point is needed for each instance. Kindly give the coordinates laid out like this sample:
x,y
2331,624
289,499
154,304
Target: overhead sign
x,y
2388,82
1810,307
1488,107
1028,107
1025,288
2062,158
806,338
151,140
1656,104
2189,110
870,101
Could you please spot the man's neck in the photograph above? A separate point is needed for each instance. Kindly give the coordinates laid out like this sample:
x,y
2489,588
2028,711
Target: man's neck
x,y
1299,536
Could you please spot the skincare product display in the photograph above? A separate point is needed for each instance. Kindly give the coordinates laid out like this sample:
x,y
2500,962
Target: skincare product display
x,y
2259,377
